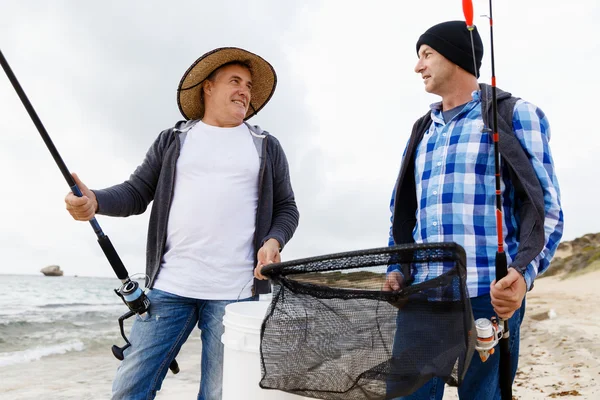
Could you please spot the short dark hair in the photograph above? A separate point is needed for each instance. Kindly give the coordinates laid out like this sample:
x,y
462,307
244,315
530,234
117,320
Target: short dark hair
x,y
213,75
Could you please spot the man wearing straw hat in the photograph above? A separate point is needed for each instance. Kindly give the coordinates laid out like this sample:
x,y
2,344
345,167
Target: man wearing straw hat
x,y
223,207
446,190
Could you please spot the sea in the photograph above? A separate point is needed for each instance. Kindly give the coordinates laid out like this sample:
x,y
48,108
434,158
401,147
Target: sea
x,y
56,335
41,316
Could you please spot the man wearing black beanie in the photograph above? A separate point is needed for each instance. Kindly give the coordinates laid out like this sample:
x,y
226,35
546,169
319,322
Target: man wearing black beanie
x,y
445,192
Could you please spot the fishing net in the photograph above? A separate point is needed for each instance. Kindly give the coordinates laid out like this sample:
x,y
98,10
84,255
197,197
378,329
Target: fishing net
x,y
333,332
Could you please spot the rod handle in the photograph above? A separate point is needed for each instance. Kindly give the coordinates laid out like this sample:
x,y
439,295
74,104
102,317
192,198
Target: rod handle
x,y
113,257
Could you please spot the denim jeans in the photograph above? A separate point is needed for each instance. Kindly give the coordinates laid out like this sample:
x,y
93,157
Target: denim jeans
x,y
156,338
481,379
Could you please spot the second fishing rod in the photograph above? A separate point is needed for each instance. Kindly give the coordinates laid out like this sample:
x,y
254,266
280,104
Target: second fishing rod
x,y
499,330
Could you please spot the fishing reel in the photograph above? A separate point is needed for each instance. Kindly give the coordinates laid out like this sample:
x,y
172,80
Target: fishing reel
x,y
489,333
135,299
138,303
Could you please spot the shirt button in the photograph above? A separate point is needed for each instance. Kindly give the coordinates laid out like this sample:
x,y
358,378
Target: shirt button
x,y
435,224
439,163
435,192
443,134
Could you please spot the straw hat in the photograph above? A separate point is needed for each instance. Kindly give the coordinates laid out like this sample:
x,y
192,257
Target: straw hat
x,y
264,80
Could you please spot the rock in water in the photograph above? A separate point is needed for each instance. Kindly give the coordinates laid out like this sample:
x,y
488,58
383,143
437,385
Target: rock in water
x,y
52,270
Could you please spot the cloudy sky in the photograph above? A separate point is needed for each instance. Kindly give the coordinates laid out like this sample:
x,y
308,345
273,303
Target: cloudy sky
x,y
103,77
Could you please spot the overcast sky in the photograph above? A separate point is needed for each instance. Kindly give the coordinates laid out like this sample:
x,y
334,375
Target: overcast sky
x,y
103,78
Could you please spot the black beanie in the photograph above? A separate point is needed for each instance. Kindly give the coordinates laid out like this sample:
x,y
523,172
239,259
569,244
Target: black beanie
x,y
453,40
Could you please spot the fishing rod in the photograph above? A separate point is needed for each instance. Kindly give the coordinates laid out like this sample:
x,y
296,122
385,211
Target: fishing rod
x,y
130,292
495,329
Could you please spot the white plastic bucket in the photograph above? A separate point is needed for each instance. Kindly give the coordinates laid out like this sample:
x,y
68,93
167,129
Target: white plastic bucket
x,y
241,364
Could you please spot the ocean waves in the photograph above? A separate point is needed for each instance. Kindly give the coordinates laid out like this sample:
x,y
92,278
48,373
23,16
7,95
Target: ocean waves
x,y
36,353
44,322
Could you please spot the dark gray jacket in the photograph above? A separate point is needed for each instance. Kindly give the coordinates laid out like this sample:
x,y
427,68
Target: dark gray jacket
x,y
276,217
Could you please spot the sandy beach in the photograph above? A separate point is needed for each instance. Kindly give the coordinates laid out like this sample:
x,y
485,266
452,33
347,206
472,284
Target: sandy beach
x,y
560,341
85,376
560,355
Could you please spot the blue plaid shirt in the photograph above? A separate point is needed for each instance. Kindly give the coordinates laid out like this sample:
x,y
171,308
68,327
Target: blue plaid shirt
x,y
455,184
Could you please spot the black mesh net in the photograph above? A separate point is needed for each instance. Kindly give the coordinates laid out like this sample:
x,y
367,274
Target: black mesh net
x,y
335,331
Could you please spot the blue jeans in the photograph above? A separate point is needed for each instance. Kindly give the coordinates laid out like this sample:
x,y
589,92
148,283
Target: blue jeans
x,y
156,338
481,379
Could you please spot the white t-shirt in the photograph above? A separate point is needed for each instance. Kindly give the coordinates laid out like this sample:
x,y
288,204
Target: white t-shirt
x,y
209,251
